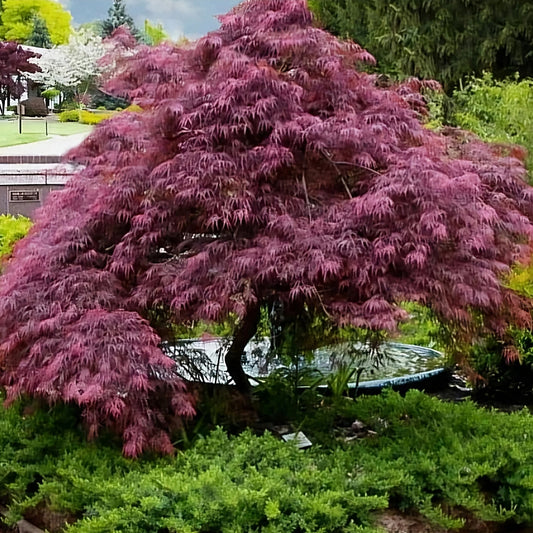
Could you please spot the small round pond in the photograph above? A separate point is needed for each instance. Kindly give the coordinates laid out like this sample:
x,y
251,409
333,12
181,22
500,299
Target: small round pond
x,y
391,365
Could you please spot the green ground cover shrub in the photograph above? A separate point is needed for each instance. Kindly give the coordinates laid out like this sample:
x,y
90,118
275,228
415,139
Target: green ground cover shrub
x,y
12,229
449,454
36,446
426,455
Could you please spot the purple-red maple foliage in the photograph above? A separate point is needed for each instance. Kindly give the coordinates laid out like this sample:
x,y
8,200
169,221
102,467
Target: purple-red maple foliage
x,y
265,168
13,64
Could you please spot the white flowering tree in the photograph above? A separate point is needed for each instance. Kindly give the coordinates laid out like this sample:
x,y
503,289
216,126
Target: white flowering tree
x,y
73,67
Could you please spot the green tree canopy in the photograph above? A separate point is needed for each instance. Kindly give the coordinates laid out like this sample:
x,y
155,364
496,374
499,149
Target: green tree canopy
x,y
442,39
18,20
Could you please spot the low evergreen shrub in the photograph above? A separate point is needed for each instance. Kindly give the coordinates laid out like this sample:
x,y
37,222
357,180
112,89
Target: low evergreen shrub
x,y
426,456
434,456
70,115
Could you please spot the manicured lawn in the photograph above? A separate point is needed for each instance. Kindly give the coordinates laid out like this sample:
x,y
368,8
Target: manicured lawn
x,y
34,130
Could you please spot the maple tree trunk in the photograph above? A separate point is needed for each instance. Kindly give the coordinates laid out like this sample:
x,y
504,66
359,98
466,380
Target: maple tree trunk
x,y
246,330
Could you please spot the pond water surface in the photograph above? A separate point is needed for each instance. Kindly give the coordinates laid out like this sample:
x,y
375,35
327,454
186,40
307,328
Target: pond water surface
x,y
203,360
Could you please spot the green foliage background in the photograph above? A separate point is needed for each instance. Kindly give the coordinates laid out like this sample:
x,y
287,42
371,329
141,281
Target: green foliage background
x,y
17,20
444,40
497,110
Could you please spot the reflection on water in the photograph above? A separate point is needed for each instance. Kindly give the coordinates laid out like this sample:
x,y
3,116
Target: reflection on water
x,y
392,360
203,360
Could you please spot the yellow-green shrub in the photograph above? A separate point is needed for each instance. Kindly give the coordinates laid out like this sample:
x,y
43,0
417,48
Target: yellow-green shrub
x,y
83,116
71,115
134,108
11,230
87,117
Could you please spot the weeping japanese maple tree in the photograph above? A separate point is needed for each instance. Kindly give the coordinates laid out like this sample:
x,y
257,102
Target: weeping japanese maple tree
x,y
265,169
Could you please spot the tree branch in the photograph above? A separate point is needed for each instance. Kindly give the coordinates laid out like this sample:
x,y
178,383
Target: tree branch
x,y
304,184
246,330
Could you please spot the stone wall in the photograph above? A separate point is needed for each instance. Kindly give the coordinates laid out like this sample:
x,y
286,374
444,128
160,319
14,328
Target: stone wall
x,y
25,186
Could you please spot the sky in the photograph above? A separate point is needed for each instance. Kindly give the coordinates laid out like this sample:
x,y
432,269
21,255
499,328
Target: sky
x,y
189,18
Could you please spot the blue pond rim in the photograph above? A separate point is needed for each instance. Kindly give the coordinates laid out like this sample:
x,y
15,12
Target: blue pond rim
x,y
428,380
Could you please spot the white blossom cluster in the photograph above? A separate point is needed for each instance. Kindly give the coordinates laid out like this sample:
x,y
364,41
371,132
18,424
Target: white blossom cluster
x,y
71,66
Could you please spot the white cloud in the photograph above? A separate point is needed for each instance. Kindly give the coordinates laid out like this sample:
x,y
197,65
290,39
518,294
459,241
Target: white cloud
x,y
179,8
171,13
192,18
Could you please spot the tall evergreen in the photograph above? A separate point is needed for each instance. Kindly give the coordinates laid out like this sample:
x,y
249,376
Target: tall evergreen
x,y
40,36
442,39
116,17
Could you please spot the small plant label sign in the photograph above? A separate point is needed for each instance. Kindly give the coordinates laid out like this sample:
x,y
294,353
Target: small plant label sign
x,y
298,438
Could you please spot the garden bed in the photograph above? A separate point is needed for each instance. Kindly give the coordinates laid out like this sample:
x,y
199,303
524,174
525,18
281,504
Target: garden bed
x,y
419,459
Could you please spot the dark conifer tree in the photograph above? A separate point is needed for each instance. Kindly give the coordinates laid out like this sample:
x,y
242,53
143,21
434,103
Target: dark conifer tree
x,y
40,36
445,40
116,17
264,170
